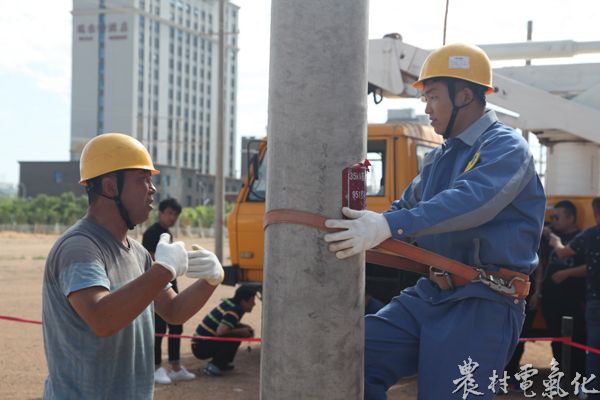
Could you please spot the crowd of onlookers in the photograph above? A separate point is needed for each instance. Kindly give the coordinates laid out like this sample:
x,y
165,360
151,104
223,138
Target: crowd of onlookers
x,y
566,283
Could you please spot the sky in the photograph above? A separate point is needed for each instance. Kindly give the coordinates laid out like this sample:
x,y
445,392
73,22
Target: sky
x,y
35,66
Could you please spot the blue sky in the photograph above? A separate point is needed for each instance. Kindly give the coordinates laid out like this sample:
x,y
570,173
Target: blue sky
x,y
35,67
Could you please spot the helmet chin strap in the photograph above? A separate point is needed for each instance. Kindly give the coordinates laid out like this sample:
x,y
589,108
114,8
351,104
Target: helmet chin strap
x,y
450,125
117,199
455,109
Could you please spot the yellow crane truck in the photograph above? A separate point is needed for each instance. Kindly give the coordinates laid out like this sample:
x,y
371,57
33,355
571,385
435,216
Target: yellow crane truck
x,y
395,151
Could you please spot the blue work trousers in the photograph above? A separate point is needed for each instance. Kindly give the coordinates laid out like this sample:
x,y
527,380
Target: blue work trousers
x,y
415,334
592,319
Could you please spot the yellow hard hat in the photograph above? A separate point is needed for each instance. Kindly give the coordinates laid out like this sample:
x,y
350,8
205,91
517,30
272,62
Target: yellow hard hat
x,y
111,152
461,61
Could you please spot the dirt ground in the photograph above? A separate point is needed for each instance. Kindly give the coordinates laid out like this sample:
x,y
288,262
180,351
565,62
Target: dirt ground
x,y
23,365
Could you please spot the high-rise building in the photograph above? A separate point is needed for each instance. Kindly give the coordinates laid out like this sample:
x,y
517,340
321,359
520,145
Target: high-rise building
x,y
149,68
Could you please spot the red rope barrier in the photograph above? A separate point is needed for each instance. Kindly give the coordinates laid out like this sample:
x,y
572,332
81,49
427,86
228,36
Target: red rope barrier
x,y
219,339
541,339
28,321
569,342
564,340
216,338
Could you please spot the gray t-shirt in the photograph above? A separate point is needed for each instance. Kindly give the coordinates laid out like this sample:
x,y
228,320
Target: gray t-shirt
x,y
82,365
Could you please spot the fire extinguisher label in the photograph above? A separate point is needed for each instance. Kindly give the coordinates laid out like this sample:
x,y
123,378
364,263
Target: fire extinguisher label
x,y
354,186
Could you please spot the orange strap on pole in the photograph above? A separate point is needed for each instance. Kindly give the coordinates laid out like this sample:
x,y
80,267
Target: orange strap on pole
x,y
400,255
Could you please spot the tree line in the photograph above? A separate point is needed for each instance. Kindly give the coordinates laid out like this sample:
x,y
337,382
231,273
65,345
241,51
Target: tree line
x,y
67,208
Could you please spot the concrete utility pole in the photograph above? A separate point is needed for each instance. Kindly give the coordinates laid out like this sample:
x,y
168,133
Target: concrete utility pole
x,y
313,303
220,176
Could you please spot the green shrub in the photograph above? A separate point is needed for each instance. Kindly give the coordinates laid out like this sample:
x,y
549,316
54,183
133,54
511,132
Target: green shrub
x,y
67,208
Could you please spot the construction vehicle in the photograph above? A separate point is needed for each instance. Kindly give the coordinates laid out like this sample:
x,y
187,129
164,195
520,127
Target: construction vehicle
x,y
560,104
395,151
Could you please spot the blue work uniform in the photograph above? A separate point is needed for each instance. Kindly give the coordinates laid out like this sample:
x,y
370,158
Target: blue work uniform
x,y
477,200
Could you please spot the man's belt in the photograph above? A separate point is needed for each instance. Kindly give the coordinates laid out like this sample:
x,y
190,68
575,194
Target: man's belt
x,y
445,272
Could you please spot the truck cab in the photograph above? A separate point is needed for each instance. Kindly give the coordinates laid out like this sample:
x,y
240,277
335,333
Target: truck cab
x,y
395,151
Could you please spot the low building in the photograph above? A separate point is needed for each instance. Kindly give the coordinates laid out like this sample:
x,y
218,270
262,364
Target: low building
x,y
56,177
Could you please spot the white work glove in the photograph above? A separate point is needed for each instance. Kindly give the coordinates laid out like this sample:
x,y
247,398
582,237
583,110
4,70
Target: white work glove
x,y
171,256
364,230
203,264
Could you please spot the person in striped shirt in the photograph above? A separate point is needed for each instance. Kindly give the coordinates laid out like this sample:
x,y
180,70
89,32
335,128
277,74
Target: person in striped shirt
x,y
224,321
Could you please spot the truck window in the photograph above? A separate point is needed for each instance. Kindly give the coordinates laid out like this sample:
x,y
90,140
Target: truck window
x,y
375,177
375,182
258,188
422,151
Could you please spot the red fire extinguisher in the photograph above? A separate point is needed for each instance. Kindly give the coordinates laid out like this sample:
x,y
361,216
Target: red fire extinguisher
x,y
354,186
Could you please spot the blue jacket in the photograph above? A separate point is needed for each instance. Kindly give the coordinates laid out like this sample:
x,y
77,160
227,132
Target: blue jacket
x,y
478,200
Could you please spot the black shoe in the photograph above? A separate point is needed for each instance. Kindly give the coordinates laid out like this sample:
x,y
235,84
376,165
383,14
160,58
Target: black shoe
x,y
228,367
212,370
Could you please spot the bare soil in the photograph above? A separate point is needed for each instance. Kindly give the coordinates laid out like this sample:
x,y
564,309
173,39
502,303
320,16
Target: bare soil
x,y
23,364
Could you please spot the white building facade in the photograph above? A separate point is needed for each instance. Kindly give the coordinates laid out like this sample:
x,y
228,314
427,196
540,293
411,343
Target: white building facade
x,y
149,68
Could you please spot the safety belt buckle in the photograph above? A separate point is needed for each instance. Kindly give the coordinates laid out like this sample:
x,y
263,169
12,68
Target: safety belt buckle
x,y
444,274
498,284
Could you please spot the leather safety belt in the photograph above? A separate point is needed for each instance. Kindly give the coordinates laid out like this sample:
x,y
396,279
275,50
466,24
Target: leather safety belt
x,y
401,255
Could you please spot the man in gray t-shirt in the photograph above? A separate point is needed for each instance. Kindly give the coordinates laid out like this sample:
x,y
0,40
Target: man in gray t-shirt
x,y
101,287
81,363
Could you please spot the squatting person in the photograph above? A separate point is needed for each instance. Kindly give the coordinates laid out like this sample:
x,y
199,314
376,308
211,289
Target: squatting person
x,y
224,321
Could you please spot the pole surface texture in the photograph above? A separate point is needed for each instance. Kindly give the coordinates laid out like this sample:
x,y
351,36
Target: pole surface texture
x,y
313,303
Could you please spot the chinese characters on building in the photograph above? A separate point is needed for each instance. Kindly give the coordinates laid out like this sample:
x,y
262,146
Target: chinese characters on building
x,y
115,30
